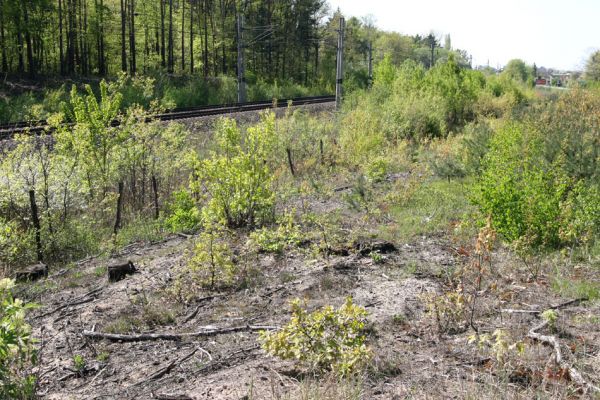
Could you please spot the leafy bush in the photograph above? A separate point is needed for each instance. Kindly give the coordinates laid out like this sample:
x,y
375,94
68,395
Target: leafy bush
x,y
277,240
235,181
326,339
17,352
212,265
541,178
580,215
16,245
183,214
519,190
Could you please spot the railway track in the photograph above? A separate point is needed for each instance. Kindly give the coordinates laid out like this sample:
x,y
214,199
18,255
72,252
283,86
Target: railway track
x,y
7,131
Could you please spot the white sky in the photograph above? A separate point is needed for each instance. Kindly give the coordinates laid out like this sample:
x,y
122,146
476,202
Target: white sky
x,y
551,33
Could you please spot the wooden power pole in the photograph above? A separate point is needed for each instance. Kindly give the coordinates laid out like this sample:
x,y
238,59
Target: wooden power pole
x,y
370,63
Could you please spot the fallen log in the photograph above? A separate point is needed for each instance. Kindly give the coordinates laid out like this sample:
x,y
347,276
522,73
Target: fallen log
x,y
203,332
32,273
119,270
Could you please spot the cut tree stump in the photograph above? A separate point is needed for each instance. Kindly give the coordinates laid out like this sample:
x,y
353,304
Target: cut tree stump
x,y
32,273
119,270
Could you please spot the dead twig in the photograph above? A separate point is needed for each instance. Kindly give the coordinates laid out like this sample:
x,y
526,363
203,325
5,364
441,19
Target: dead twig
x,y
203,332
555,307
553,341
86,298
165,370
193,314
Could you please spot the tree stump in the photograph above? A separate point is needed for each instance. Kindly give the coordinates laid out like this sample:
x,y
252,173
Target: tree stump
x,y
119,270
32,273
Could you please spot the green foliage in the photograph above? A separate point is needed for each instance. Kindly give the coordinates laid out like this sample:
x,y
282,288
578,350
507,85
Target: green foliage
x,y
326,339
235,181
517,69
17,351
212,263
286,234
519,190
411,103
475,145
15,245
592,68
183,214
550,316
580,215
540,180
377,169
79,364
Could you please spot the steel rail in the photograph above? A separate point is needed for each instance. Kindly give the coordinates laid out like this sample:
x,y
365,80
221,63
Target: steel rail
x,y
7,131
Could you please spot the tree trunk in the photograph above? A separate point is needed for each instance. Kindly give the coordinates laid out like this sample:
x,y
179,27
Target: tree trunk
x,y
60,39
191,37
162,33
123,48
30,60
119,209
205,52
36,224
155,190
132,52
182,36
171,43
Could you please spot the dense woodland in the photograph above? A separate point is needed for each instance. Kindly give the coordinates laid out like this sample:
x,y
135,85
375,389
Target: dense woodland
x,y
283,39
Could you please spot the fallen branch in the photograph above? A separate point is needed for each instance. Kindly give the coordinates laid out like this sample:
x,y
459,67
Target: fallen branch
x,y
163,371
556,307
86,298
193,314
168,396
203,332
553,341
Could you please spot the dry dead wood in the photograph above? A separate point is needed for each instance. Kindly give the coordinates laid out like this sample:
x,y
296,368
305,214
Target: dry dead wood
x,y
200,302
86,298
553,341
119,270
202,332
173,396
32,273
165,370
554,307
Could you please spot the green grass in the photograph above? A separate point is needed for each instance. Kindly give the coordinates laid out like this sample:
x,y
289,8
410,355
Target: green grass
x,y
576,289
434,207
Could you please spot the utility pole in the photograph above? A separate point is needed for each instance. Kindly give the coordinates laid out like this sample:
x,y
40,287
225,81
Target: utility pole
x,y
340,65
240,60
432,43
370,63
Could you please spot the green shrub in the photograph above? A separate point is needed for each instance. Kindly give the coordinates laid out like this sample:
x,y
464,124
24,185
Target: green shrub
x,y
475,145
16,245
17,352
235,181
580,215
212,264
286,234
326,339
183,214
519,190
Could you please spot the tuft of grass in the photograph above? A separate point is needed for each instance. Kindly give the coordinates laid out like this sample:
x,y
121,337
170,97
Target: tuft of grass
x,y
434,207
123,324
576,289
